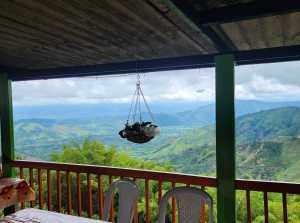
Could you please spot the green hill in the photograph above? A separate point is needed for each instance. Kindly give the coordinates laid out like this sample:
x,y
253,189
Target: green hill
x,y
268,142
268,147
274,125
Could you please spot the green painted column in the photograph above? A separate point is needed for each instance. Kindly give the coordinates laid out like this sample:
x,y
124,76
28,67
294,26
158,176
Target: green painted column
x,y
225,138
7,129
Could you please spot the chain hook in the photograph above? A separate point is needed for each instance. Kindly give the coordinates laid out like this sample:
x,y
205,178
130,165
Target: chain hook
x,y
138,82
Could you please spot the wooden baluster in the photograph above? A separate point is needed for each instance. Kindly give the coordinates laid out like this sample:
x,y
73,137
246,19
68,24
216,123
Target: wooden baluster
x,y
203,211
100,197
69,193
159,191
79,198
22,177
284,207
266,207
58,190
147,201
248,206
90,196
112,211
136,212
49,192
40,185
31,183
173,205
21,174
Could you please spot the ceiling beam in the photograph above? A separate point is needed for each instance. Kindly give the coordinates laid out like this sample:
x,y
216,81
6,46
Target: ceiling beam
x,y
270,55
251,10
215,34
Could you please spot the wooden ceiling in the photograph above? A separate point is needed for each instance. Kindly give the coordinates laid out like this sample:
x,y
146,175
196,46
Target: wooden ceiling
x,y
43,34
51,33
267,32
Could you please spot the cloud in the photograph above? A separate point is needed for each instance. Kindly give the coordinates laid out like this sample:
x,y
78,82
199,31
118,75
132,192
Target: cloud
x,y
261,88
277,81
159,86
274,81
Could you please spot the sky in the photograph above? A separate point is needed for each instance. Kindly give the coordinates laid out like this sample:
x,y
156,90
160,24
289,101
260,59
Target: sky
x,y
267,82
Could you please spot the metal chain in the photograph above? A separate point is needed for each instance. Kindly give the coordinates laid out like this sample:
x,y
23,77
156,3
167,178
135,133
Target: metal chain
x,y
136,102
147,106
131,105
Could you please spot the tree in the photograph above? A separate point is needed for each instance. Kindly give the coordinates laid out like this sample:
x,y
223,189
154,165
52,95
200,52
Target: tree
x,y
96,153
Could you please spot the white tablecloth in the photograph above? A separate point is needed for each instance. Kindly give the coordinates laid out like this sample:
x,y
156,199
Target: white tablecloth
x,y
31,215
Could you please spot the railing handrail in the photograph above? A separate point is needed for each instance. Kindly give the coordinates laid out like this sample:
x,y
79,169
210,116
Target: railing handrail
x,y
241,184
117,171
268,186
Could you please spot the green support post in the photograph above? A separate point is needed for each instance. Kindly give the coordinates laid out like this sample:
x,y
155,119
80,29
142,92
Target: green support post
x,y
7,129
225,138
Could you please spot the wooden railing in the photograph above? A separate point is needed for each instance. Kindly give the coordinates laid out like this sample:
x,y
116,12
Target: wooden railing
x,y
73,174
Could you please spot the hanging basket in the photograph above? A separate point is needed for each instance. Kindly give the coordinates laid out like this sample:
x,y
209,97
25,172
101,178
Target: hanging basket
x,y
139,131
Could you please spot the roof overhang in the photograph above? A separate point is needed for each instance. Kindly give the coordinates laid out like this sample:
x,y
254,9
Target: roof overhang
x,y
37,45
271,55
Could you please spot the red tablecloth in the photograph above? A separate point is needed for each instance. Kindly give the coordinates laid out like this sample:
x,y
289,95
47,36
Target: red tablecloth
x,y
14,191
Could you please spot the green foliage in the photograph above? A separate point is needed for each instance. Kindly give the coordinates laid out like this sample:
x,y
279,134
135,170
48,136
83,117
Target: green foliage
x,y
96,153
268,148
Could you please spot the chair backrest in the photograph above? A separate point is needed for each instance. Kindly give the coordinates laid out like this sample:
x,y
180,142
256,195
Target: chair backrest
x,y
128,195
189,201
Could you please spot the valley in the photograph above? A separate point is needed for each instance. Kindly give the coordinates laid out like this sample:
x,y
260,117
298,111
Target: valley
x,y
268,143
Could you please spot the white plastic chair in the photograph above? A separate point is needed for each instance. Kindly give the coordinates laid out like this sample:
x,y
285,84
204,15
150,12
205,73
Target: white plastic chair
x,y
189,200
128,195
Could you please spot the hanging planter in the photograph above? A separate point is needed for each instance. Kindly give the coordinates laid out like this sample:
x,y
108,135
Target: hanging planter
x,y
139,131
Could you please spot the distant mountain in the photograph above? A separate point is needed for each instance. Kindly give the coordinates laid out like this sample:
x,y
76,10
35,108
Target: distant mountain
x,y
205,115
271,125
83,111
268,146
198,113
267,138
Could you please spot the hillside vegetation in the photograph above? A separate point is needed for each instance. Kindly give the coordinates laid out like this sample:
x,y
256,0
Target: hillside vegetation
x,y
267,147
267,142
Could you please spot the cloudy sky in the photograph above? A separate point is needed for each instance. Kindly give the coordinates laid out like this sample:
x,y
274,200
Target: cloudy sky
x,y
278,81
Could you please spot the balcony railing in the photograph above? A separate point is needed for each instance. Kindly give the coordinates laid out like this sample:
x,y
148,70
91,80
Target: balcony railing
x,y
74,174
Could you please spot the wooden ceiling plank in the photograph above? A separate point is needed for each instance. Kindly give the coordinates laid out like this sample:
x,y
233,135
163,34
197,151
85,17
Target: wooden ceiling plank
x,y
160,39
65,12
160,24
247,10
80,29
56,49
186,27
263,32
178,22
16,49
118,30
293,29
10,59
121,41
66,32
235,35
267,32
220,39
284,26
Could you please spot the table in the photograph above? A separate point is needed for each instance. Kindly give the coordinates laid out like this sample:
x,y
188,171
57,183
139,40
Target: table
x,y
31,215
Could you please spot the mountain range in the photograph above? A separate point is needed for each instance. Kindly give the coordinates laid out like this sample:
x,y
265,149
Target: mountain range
x,y
267,147
268,144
